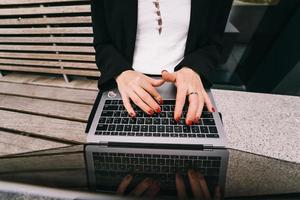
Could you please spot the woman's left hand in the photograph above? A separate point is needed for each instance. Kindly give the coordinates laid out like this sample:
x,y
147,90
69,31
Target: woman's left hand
x,y
188,85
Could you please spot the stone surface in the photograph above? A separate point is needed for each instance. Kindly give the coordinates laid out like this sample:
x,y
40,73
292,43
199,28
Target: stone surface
x,y
263,124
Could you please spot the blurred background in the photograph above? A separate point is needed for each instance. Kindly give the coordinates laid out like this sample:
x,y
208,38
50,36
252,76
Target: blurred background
x,y
54,38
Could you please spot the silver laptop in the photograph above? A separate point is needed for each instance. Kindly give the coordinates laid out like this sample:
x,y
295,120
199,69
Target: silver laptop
x,y
112,124
107,166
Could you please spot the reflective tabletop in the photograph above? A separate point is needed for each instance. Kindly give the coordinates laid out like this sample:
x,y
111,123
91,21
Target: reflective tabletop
x,y
155,173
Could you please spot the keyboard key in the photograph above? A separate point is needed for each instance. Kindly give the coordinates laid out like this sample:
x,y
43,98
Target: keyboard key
x,y
106,133
183,135
111,127
144,128
102,127
192,135
152,128
170,114
173,122
208,121
98,133
213,129
212,135
206,115
162,114
181,122
169,129
139,134
156,121
117,120
204,129
102,120
122,133
136,128
127,128
174,135
178,129
148,134
124,114
114,133
110,107
148,121
156,134
200,135
130,134
166,108
140,120
108,102
165,135
165,121
160,129
132,121
109,120
107,113
120,127
186,129
125,120
195,129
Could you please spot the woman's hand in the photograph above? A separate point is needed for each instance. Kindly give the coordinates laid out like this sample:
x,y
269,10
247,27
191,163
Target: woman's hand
x,y
141,90
189,85
147,188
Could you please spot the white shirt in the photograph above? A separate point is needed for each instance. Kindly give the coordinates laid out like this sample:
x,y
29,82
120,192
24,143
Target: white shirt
x,y
155,52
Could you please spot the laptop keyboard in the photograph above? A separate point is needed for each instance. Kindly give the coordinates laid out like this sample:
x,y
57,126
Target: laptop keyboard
x,y
115,121
160,167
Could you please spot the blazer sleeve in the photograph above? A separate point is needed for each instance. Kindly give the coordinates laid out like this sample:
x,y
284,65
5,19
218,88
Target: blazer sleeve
x,y
109,61
206,58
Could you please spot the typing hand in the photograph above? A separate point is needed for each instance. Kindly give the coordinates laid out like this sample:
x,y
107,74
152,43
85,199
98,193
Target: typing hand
x,y
198,186
188,84
146,188
141,90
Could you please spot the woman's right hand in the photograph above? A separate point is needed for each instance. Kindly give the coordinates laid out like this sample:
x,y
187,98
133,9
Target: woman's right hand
x,y
141,90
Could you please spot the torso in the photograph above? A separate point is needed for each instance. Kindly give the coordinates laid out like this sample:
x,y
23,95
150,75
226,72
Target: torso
x,y
155,52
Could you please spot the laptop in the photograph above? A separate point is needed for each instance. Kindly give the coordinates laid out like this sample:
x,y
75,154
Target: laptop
x,y
107,166
112,125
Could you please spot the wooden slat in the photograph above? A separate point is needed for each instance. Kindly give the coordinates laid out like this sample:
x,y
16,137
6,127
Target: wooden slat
x,y
56,109
20,2
14,143
36,48
51,93
78,72
46,40
61,130
79,65
52,30
50,81
45,10
48,20
45,56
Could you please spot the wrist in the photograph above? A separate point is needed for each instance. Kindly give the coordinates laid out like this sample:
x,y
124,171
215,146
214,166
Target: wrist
x,y
121,74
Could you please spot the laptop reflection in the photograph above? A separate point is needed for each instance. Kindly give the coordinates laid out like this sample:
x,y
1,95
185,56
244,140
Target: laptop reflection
x,y
159,173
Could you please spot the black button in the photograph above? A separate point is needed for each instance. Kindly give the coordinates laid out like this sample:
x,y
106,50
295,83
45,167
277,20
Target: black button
x,y
208,121
204,129
102,127
212,135
107,113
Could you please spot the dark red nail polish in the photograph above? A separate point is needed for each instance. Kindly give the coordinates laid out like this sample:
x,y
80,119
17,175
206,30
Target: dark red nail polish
x,y
150,112
213,109
161,102
132,114
158,110
189,122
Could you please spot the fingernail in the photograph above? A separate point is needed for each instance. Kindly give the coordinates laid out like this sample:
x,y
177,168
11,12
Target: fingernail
x,y
177,119
128,177
164,71
132,114
213,109
193,174
150,112
196,120
161,102
189,122
148,181
158,110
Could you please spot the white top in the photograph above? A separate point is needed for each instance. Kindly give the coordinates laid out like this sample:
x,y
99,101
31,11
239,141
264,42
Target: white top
x,y
155,52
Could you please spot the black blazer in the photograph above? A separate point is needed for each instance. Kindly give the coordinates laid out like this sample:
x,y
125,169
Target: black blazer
x,y
115,26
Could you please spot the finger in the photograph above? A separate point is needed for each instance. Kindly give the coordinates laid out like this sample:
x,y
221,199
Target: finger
x,y
180,101
181,193
147,98
153,190
124,184
169,77
208,102
193,107
195,185
204,187
200,107
152,91
127,104
156,82
142,187
218,195
140,103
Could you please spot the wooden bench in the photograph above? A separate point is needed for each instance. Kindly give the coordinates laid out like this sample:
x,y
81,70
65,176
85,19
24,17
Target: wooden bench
x,y
47,36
